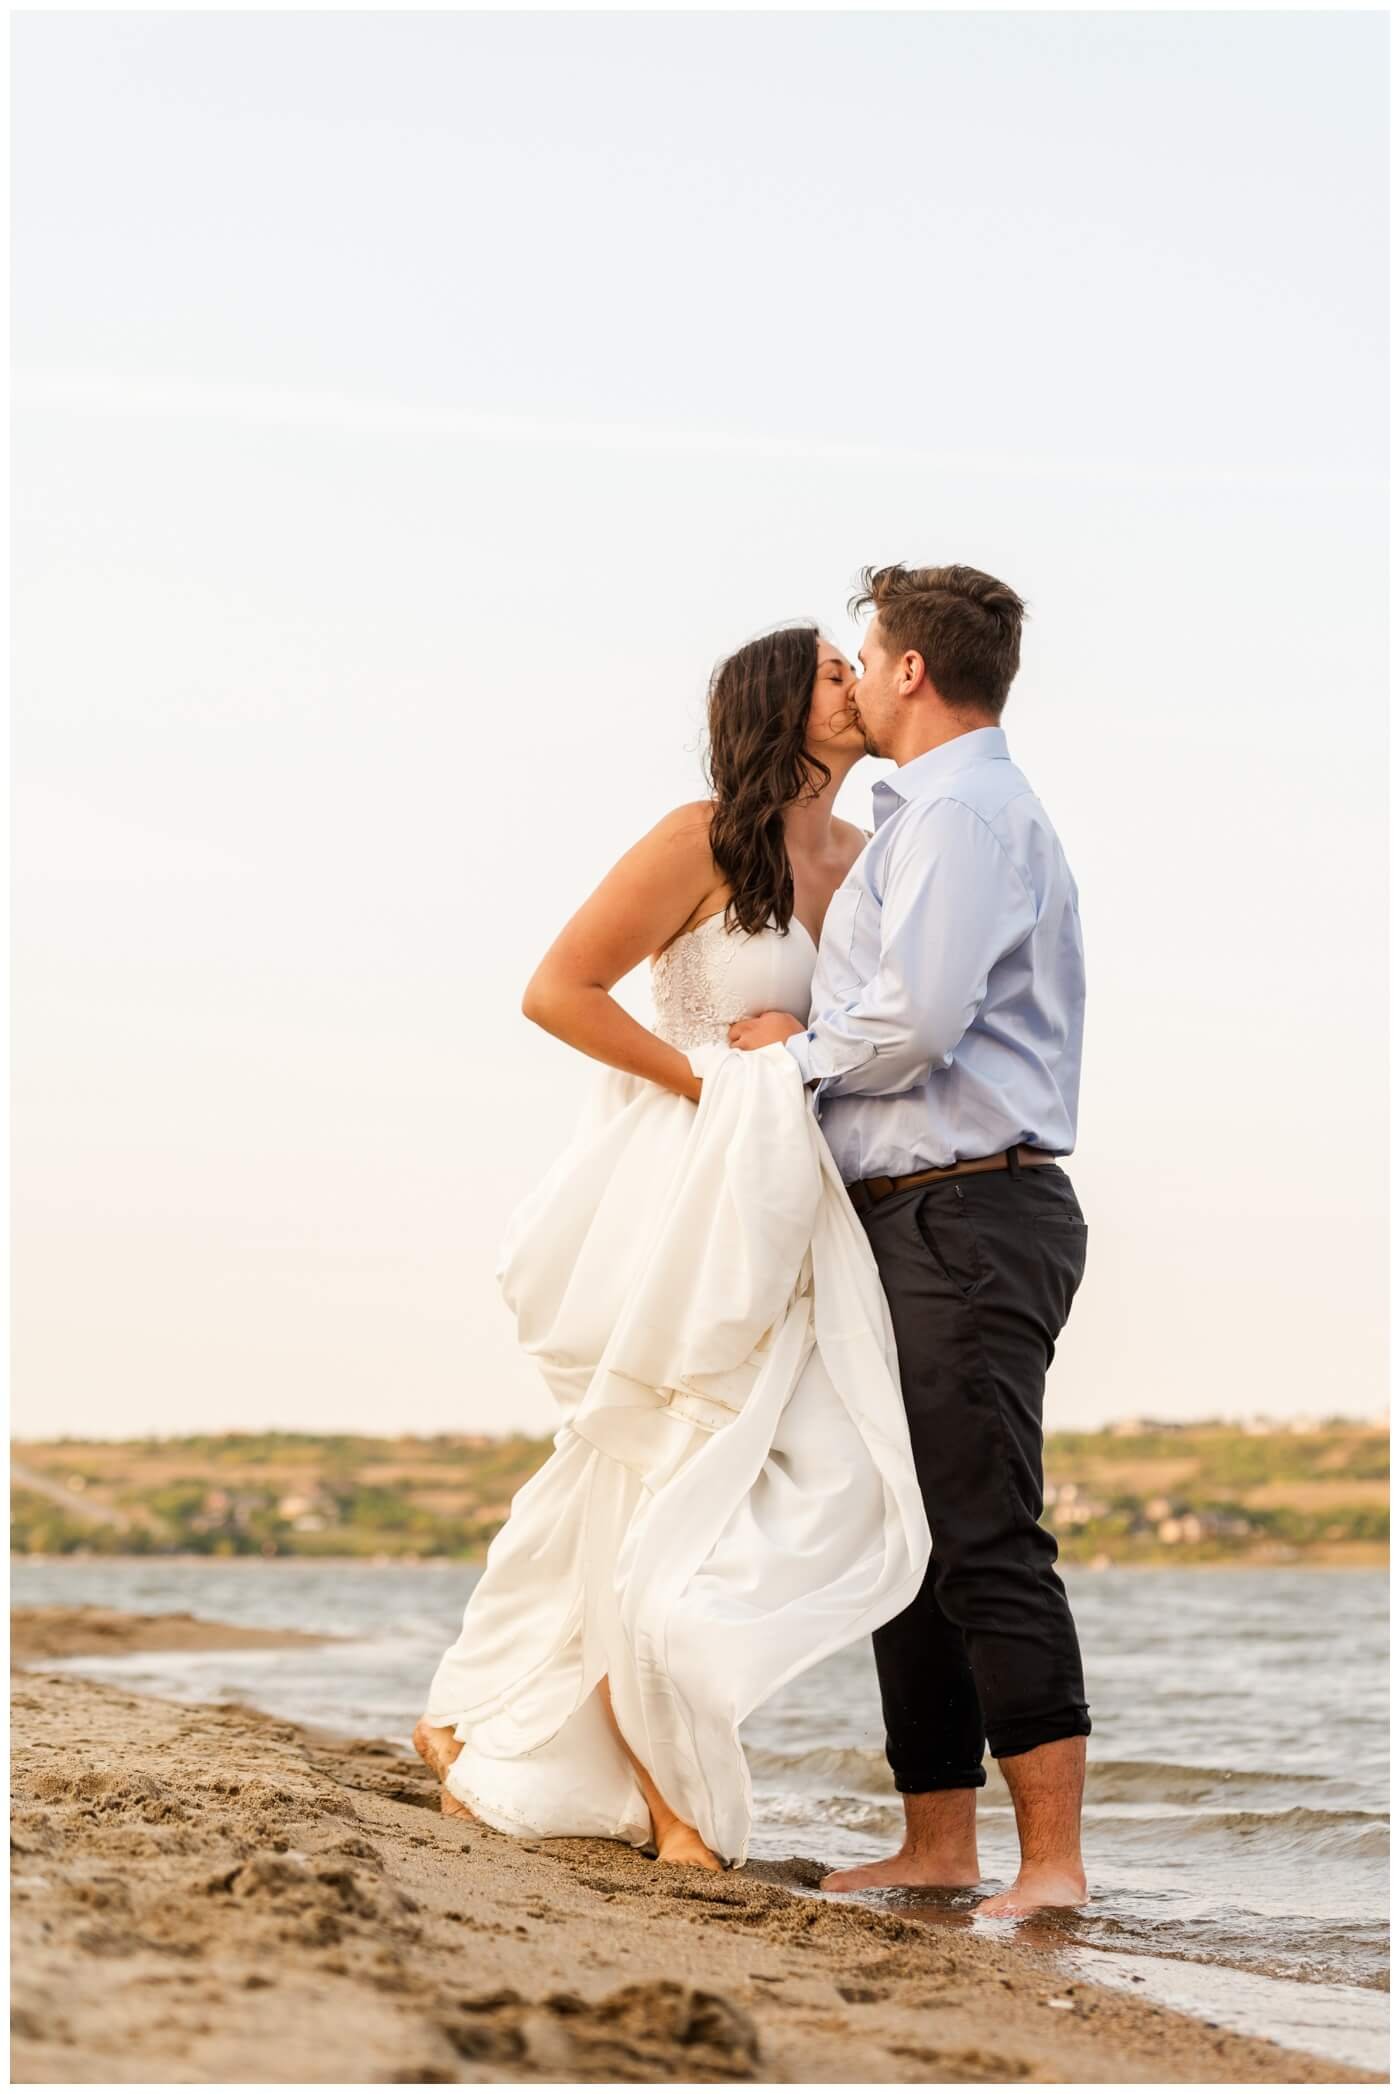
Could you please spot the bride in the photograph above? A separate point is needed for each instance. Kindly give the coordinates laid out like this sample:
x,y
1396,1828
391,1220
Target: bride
x,y
732,1495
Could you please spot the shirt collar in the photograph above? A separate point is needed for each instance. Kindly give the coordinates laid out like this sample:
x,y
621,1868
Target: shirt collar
x,y
918,777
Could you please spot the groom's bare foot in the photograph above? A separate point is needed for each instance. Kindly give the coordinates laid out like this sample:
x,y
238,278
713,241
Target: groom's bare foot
x,y
438,1746
682,1844
1034,1889
916,1870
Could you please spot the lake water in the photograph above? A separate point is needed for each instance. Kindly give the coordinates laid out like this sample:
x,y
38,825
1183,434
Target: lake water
x,y
1236,1823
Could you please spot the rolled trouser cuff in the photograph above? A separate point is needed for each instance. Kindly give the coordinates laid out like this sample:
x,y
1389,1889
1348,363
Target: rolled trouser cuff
x,y
1024,1733
924,1780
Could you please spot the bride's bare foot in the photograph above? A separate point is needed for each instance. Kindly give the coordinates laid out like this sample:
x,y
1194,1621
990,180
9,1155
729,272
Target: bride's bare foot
x,y
916,1870
674,1840
437,1747
683,1844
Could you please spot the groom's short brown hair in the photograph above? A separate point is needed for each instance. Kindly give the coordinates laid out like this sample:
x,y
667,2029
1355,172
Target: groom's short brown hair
x,y
965,624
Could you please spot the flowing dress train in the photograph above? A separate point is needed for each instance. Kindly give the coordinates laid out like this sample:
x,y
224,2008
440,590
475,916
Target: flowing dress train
x,y
732,1496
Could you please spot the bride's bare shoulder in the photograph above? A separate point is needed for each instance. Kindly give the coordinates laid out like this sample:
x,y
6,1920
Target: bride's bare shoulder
x,y
691,818
681,834
665,881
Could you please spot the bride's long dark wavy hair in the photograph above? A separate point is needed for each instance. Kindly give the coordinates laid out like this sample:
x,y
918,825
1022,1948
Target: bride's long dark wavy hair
x,y
756,765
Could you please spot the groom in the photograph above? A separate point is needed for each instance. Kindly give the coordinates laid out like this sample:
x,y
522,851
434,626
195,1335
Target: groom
x,y
944,1051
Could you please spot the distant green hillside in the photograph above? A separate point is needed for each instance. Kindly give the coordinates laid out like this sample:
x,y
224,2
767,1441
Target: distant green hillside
x,y
1135,1493
1214,1492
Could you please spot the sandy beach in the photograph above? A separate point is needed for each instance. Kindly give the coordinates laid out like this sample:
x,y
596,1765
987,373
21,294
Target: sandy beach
x,y
204,1893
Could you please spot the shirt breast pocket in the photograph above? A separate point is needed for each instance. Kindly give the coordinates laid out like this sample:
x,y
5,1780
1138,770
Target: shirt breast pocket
x,y
839,929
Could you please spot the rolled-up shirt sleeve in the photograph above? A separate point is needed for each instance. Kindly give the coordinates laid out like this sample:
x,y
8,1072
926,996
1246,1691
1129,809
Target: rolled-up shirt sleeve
x,y
953,905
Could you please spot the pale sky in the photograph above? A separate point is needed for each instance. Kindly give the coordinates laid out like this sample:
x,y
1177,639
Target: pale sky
x,y
410,409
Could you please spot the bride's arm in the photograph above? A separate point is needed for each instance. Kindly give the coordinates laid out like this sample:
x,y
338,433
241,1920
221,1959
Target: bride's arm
x,y
637,908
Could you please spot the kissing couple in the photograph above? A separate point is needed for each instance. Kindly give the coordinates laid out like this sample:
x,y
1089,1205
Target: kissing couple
x,y
797,1279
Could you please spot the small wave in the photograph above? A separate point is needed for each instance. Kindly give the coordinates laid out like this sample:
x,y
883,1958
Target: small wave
x,y
1166,1781
1276,1836
860,1767
814,1814
865,1770
1357,1834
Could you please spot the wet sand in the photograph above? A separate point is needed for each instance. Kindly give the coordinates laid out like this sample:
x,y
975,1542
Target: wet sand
x,y
204,1893
71,1632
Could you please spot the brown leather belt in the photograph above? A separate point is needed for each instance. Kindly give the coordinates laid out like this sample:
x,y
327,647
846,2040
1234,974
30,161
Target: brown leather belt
x,y
865,1192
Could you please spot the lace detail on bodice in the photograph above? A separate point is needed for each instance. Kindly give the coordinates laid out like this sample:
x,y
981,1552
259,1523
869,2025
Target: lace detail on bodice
x,y
687,982
708,977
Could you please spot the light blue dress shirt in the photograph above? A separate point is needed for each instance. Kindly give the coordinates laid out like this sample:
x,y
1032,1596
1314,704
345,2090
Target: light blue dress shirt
x,y
948,1001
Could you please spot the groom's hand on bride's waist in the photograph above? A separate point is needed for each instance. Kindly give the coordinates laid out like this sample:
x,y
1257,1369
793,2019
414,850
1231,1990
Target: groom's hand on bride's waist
x,y
768,1028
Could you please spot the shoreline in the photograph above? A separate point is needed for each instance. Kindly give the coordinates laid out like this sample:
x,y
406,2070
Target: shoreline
x,y
70,1631
185,1856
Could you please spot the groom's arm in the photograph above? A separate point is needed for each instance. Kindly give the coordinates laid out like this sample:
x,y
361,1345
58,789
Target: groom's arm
x,y
953,905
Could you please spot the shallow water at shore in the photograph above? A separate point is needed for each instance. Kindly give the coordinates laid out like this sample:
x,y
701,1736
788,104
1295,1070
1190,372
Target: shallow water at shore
x,y
1236,1826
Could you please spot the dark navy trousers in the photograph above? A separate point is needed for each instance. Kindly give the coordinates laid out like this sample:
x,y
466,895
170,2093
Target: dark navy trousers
x,y
979,1272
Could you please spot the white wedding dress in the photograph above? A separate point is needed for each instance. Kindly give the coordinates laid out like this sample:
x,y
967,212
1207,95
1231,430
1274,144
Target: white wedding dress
x,y
732,1497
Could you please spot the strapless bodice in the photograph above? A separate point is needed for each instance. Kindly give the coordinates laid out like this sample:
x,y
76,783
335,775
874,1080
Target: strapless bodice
x,y
709,976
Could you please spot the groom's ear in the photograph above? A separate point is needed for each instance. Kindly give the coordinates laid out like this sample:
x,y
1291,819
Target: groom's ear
x,y
913,672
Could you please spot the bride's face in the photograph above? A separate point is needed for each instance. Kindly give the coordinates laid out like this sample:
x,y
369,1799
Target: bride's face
x,y
833,722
